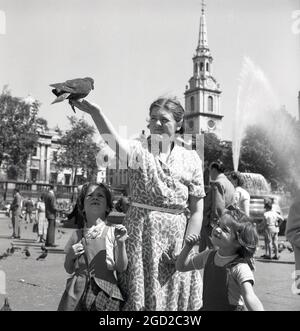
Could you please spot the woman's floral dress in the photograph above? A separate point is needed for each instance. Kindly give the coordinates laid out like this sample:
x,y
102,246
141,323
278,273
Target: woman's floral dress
x,y
150,282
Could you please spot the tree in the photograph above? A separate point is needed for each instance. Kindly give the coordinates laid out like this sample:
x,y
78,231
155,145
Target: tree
x,y
212,148
78,151
258,155
18,132
217,150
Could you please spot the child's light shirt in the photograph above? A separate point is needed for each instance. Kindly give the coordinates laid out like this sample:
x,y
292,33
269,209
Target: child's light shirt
x,y
239,274
271,219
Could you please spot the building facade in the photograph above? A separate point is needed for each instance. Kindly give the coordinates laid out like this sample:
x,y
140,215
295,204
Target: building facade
x,y
41,165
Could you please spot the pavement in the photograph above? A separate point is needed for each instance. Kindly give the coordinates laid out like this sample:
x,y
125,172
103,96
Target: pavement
x,y
38,285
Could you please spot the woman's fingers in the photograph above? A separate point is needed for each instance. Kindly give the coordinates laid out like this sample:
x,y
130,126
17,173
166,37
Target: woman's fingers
x,y
85,106
79,105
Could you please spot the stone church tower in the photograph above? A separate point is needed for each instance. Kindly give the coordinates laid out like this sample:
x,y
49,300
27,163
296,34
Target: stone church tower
x,y
202,95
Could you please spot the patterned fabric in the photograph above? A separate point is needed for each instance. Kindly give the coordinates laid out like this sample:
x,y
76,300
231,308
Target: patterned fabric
x,y
98,300
150,282
109,288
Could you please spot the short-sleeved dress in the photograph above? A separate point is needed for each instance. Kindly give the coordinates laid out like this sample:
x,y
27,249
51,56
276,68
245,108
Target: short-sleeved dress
x,y
150,282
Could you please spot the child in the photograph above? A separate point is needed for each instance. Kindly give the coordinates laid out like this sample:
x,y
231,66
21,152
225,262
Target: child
x,y
271,230
228,279
94,252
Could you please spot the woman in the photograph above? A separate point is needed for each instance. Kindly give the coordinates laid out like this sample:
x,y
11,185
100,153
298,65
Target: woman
x,y
165,179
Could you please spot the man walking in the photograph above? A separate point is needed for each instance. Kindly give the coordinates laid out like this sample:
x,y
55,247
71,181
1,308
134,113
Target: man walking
x,y
51,208
16,208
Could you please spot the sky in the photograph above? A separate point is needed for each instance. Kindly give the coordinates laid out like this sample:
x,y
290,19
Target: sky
x,y
137,50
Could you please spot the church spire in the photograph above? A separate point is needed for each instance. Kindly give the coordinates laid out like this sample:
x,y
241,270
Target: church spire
x,y
202,41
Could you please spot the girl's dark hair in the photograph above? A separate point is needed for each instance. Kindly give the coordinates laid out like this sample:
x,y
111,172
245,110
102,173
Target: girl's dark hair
x,y
218,165
173,105
235,175
80,201
245,231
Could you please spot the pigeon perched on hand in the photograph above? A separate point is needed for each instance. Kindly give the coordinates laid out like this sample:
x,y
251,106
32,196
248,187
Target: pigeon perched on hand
x,y
73,89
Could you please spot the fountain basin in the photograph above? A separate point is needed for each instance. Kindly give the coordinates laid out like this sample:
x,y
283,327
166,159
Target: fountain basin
x,y
259,191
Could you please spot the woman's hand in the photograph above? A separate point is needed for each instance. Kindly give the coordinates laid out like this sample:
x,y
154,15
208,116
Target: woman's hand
x,y
120,233
85,106
78,249
192,240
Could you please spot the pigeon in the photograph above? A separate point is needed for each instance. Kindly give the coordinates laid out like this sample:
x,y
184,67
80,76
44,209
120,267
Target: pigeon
x,y
3,256
72,90
290,248
281,247
26,252
6,306
12,250
43,255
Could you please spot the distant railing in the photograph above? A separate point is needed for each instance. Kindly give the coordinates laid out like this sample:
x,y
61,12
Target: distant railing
x,y
34,190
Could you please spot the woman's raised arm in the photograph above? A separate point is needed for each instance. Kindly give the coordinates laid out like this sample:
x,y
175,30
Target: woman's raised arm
x,y
104,126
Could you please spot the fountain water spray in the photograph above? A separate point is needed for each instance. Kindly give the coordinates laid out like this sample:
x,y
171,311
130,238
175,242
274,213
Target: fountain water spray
x,y
254,97
257,104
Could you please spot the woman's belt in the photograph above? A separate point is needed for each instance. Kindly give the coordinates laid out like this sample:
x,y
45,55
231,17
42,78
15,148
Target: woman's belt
x,y
155,208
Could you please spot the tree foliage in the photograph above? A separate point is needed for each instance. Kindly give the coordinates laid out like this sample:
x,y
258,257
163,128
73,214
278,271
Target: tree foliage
x,y
18,132
78,151
258,155
217,150
212,148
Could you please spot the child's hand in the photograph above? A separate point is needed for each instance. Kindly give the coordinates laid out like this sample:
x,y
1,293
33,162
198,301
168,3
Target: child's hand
x,y
192,239
78,249
120,233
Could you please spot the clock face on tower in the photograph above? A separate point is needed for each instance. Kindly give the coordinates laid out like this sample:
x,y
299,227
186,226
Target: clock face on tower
x,y
211,124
